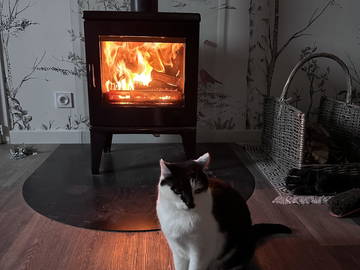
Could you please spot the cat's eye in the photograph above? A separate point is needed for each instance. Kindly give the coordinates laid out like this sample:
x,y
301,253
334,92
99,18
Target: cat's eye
x,y
176,191
197,191
163,183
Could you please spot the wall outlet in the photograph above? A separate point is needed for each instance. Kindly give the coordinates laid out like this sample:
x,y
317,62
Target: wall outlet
x,y
64,100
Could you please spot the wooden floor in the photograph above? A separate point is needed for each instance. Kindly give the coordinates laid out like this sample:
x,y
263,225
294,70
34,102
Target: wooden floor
x,y
31,241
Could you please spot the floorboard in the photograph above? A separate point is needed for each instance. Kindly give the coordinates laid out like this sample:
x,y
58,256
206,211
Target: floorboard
x,y
31,241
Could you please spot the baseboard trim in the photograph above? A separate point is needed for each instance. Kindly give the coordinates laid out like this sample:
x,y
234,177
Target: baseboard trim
x,y
83,136
45,136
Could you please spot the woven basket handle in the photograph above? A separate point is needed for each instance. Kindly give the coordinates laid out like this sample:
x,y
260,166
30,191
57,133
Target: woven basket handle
x,y
315,55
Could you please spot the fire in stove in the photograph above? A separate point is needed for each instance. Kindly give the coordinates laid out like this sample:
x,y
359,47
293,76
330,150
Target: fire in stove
x,y
143,71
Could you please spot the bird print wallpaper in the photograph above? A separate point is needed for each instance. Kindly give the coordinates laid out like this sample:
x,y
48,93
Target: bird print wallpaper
x,y
247,50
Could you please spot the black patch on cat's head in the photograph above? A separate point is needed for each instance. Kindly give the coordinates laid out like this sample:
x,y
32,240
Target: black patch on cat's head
x,y
181,175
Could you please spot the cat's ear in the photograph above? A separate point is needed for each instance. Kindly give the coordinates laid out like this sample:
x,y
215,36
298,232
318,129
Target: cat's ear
x,y
204,160
164,169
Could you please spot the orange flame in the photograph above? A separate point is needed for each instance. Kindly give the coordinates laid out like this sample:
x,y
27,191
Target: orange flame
x,y
129,65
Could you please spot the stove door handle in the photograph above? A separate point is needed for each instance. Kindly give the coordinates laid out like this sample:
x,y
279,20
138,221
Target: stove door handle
x,y
92,75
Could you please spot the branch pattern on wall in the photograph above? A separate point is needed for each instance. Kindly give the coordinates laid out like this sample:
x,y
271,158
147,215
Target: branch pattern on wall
x,y
265,50
221,105
13,24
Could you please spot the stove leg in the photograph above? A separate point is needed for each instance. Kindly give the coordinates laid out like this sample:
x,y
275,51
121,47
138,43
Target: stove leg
x,y
98,140
108,140
189,143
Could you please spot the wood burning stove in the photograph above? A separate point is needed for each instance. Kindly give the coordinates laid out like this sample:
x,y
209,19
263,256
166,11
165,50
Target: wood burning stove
x,y
142,75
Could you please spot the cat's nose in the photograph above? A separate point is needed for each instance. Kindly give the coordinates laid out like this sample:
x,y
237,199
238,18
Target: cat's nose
x,y
190,205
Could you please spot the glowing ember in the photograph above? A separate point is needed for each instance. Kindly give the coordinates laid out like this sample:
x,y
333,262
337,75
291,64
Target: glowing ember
x,y
163,97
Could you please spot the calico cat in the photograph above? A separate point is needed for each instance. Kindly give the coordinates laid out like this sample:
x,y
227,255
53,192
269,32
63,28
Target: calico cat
x,y
206,222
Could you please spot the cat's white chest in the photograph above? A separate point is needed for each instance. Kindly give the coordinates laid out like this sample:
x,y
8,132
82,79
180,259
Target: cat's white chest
x,y
176,218
191,230
177,223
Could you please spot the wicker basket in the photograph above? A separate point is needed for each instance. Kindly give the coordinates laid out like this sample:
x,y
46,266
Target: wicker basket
x,y
283,135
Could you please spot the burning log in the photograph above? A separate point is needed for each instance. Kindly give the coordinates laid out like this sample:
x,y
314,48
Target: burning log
x,y
143,97
168,79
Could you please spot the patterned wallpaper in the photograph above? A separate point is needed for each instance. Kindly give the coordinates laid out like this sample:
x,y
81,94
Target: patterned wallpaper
x,y
247,50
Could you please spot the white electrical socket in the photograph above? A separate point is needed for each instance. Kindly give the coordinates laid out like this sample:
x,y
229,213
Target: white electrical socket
x,y
64,100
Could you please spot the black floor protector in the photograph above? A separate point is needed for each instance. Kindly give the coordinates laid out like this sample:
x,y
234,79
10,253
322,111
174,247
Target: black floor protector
x,y
123,196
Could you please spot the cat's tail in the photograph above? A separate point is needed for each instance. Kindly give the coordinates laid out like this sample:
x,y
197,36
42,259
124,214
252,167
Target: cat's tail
x,y
263,230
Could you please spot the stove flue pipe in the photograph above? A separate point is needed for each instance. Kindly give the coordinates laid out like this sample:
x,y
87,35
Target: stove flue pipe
x,y
144,5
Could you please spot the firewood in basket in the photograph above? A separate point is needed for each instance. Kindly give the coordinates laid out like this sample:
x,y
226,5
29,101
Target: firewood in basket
x,y
168,79
316,148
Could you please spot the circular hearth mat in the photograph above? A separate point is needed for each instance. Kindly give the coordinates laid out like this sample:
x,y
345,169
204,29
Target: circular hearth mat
x,y
123,196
